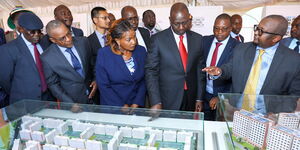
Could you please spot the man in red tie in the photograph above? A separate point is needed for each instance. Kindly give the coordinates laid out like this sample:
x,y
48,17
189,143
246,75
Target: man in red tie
x,y
22,74
173,78
217,51
237,23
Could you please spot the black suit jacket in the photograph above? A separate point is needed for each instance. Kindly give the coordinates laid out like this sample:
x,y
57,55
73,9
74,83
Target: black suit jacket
x,y
220,86
146,36
45,42
95,45
283,77
19,76
63,81
165,75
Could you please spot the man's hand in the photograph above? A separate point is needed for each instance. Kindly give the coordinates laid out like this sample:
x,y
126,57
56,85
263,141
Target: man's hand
x,y
76,108
198,106
213,103
212,70
134,106
157,106
93,85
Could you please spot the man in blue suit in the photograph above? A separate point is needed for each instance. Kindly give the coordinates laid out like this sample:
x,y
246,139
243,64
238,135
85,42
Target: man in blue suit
x,y
63,14
293,42
217,51
2,37
21,74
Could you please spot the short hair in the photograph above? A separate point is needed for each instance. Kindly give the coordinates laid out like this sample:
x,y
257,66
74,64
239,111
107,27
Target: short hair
x,y
53,24
124,9
95,11
224,16
116,32
149,10
281,24
59,7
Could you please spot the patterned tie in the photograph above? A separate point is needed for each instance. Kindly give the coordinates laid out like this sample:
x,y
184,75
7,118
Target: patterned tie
x,y
238,38
40,68
104,39
184,56
297,47
250,88
75,62
215,54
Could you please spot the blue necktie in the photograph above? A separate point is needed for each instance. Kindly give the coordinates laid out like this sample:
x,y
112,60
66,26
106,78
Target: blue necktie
x,y
75,62
297,47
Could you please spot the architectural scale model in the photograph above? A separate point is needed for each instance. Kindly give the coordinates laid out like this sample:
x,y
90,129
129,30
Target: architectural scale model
x,y
54,134
263,133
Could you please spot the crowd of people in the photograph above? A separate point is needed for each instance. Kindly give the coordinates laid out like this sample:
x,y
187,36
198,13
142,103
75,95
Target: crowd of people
x,y
122,64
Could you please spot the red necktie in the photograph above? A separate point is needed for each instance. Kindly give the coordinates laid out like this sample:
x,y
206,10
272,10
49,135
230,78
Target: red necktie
x,y
183,55
238,38
40,68
215,54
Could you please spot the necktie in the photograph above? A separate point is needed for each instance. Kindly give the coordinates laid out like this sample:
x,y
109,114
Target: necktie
x,y
238,38
104,39
40,68
297,47
250,88
75,62
215,54
183,55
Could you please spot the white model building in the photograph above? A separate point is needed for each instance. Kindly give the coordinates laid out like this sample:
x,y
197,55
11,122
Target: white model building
x,y
158,134
77,143
147,148
35,126
99,129
290,120
279,138
138,133
50,136
61,140
62,128
25,134
110,129
127,131
51,123
86,134
152,139
241,121
30,118
33,145
26,124
93,145
38,136
169,136
258,130
50,147
296,141
17,145
112,145
80,126
181,136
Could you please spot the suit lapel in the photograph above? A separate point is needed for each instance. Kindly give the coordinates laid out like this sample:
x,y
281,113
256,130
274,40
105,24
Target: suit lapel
x,y
226,52
277,59
123,66
248,60
189,49
174,48
96,40
24,49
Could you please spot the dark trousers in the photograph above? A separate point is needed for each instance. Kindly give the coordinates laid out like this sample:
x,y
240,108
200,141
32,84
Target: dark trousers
x,y
208,113
184,105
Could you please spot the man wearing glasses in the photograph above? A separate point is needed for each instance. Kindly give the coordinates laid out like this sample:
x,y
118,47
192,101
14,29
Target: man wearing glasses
x,y
22,74
263,66
68,65
293,42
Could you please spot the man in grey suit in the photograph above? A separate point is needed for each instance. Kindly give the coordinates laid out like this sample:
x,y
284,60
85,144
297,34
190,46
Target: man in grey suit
x,y
173,66
21,74
68,65
293,42
278,72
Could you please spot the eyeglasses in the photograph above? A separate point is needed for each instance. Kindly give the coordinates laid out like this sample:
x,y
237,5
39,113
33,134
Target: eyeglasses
x,y
104,18
261,31
64,38
33,32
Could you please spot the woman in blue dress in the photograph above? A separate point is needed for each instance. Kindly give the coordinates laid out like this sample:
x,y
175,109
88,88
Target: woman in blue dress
x,y
120,68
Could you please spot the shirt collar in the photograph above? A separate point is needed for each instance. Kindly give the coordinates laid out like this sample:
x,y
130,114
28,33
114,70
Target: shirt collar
x,y
233,34
26,41
176,35
269,50
63,49
224,42
99,34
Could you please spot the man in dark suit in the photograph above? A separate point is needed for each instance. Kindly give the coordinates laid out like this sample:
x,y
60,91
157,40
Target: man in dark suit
x,y
63,14
237,23
67,65
217,51
293,42
263,66
142,35
173,67
149,20
21,74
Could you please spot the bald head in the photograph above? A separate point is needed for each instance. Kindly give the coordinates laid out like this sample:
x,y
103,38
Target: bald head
x,y
63,14
279,24
180,18
52,25
129,13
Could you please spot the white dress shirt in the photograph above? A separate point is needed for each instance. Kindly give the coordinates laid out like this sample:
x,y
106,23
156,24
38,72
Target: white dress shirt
x,y
140,38
68,55
177,39
31,47
293,44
